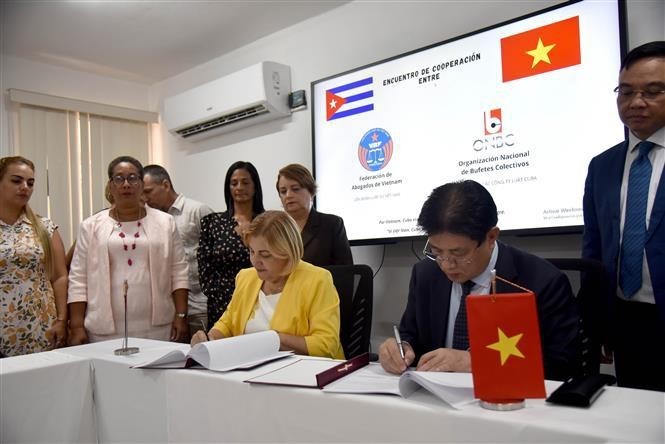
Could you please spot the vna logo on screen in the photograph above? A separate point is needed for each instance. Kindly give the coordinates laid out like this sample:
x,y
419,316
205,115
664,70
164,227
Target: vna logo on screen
x,y
375,149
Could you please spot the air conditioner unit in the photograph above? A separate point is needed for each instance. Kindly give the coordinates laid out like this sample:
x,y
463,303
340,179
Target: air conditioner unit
x,y
250,96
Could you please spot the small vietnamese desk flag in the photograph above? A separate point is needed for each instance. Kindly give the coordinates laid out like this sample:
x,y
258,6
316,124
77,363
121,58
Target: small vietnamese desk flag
x,y
541,50
504,339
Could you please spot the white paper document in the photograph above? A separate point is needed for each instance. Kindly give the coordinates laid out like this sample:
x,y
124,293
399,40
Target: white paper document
x,y
235,353
299,373
456,389
370,379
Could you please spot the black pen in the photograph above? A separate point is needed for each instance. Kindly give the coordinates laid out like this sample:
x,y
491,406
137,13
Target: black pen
x,y
204,330
399,341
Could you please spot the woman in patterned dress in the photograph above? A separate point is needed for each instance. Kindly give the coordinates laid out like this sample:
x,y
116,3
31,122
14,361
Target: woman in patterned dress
x,y
222,253
33,277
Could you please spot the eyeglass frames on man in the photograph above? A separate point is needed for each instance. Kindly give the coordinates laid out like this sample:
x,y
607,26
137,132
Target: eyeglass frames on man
x,y
452,260
649,94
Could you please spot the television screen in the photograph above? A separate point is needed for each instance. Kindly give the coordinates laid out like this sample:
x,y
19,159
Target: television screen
x,y
520,107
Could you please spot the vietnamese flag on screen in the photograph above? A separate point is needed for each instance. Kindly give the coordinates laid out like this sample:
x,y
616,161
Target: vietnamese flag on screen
x,y
504,340
540,50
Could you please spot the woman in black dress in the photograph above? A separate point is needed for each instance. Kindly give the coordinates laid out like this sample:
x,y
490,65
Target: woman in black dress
x,y
323,235
222,253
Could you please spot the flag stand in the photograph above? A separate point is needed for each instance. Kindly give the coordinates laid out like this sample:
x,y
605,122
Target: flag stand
x,y
502,404
125,350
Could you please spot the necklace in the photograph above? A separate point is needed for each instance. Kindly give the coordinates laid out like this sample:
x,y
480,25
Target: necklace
x,y
269,288
123,236
115,215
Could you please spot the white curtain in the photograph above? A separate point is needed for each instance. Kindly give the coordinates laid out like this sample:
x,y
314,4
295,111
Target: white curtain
x,y
71,152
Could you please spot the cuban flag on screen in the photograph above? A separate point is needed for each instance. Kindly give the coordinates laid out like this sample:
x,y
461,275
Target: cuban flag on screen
x,y
341,100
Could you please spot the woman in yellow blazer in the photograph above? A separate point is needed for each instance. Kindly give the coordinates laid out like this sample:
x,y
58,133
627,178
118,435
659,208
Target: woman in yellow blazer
x,y
281,292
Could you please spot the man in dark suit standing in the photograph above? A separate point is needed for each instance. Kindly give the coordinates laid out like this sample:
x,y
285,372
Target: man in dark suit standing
x,y
462,249
624,221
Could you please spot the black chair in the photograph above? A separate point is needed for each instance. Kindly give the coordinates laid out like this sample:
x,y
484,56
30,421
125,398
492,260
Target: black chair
x,y
355,286
589,275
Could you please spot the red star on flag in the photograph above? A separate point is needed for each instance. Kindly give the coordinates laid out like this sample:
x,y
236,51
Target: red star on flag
x,y
504,336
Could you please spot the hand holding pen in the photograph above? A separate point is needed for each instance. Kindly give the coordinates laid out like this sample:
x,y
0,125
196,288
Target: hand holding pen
x,y
205,330
395,355
398,339
200,336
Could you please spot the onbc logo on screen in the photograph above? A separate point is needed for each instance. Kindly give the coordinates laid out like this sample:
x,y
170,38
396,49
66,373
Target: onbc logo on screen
x,y
493,121
375,149
494,137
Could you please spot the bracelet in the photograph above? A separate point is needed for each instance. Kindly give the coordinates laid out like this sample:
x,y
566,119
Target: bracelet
x,y
181,315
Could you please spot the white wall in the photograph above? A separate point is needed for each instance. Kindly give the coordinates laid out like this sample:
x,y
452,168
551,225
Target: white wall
x,y
344,38
18,73
347,37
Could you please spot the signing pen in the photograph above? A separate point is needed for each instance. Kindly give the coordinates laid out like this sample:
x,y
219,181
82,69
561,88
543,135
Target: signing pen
x,y
399,341
204,330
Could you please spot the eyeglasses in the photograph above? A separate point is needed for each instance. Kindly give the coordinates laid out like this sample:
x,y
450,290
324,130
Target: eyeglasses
x,y
649,94
119,180
452,260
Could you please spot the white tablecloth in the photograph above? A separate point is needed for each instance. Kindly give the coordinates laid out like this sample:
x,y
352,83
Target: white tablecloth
x,y
196,405
221,407
130,403
46,397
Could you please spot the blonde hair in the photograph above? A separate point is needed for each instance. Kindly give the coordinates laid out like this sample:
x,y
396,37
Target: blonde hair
x,y
37,226
281,234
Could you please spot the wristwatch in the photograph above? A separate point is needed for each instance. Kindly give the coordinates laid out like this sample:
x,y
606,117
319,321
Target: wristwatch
x,y
181,315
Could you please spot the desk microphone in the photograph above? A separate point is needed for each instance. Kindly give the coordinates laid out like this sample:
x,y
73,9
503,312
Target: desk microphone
x,y
125,350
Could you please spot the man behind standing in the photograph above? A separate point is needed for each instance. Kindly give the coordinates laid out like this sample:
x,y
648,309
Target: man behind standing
x,y
160,194
624,220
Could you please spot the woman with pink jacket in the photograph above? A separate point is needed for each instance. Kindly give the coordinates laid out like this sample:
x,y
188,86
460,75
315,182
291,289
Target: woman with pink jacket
x,y
132,243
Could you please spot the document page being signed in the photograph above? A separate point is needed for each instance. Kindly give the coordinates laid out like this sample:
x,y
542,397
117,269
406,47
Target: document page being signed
x,y
456,389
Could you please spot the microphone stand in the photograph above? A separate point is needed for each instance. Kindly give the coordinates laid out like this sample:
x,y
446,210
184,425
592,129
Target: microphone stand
x,y
125,350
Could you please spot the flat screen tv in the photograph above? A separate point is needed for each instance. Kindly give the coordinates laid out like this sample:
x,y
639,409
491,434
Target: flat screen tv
x,y
520,107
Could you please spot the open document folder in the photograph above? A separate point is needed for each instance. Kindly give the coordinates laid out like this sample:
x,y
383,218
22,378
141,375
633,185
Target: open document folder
x,y
221,355
358,375
455,389
311,372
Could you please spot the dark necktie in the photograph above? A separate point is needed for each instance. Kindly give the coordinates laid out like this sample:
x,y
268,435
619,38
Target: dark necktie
x,y
460,332
635,227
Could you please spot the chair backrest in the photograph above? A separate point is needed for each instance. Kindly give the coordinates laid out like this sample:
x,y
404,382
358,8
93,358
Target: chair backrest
x,y
355,286
591,300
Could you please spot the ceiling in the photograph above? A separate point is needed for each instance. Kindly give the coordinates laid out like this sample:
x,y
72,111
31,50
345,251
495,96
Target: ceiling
x,y
143,40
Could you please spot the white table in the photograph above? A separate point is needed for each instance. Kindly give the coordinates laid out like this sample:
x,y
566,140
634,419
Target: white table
x,y
221,407
130,403
46,397
195,405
